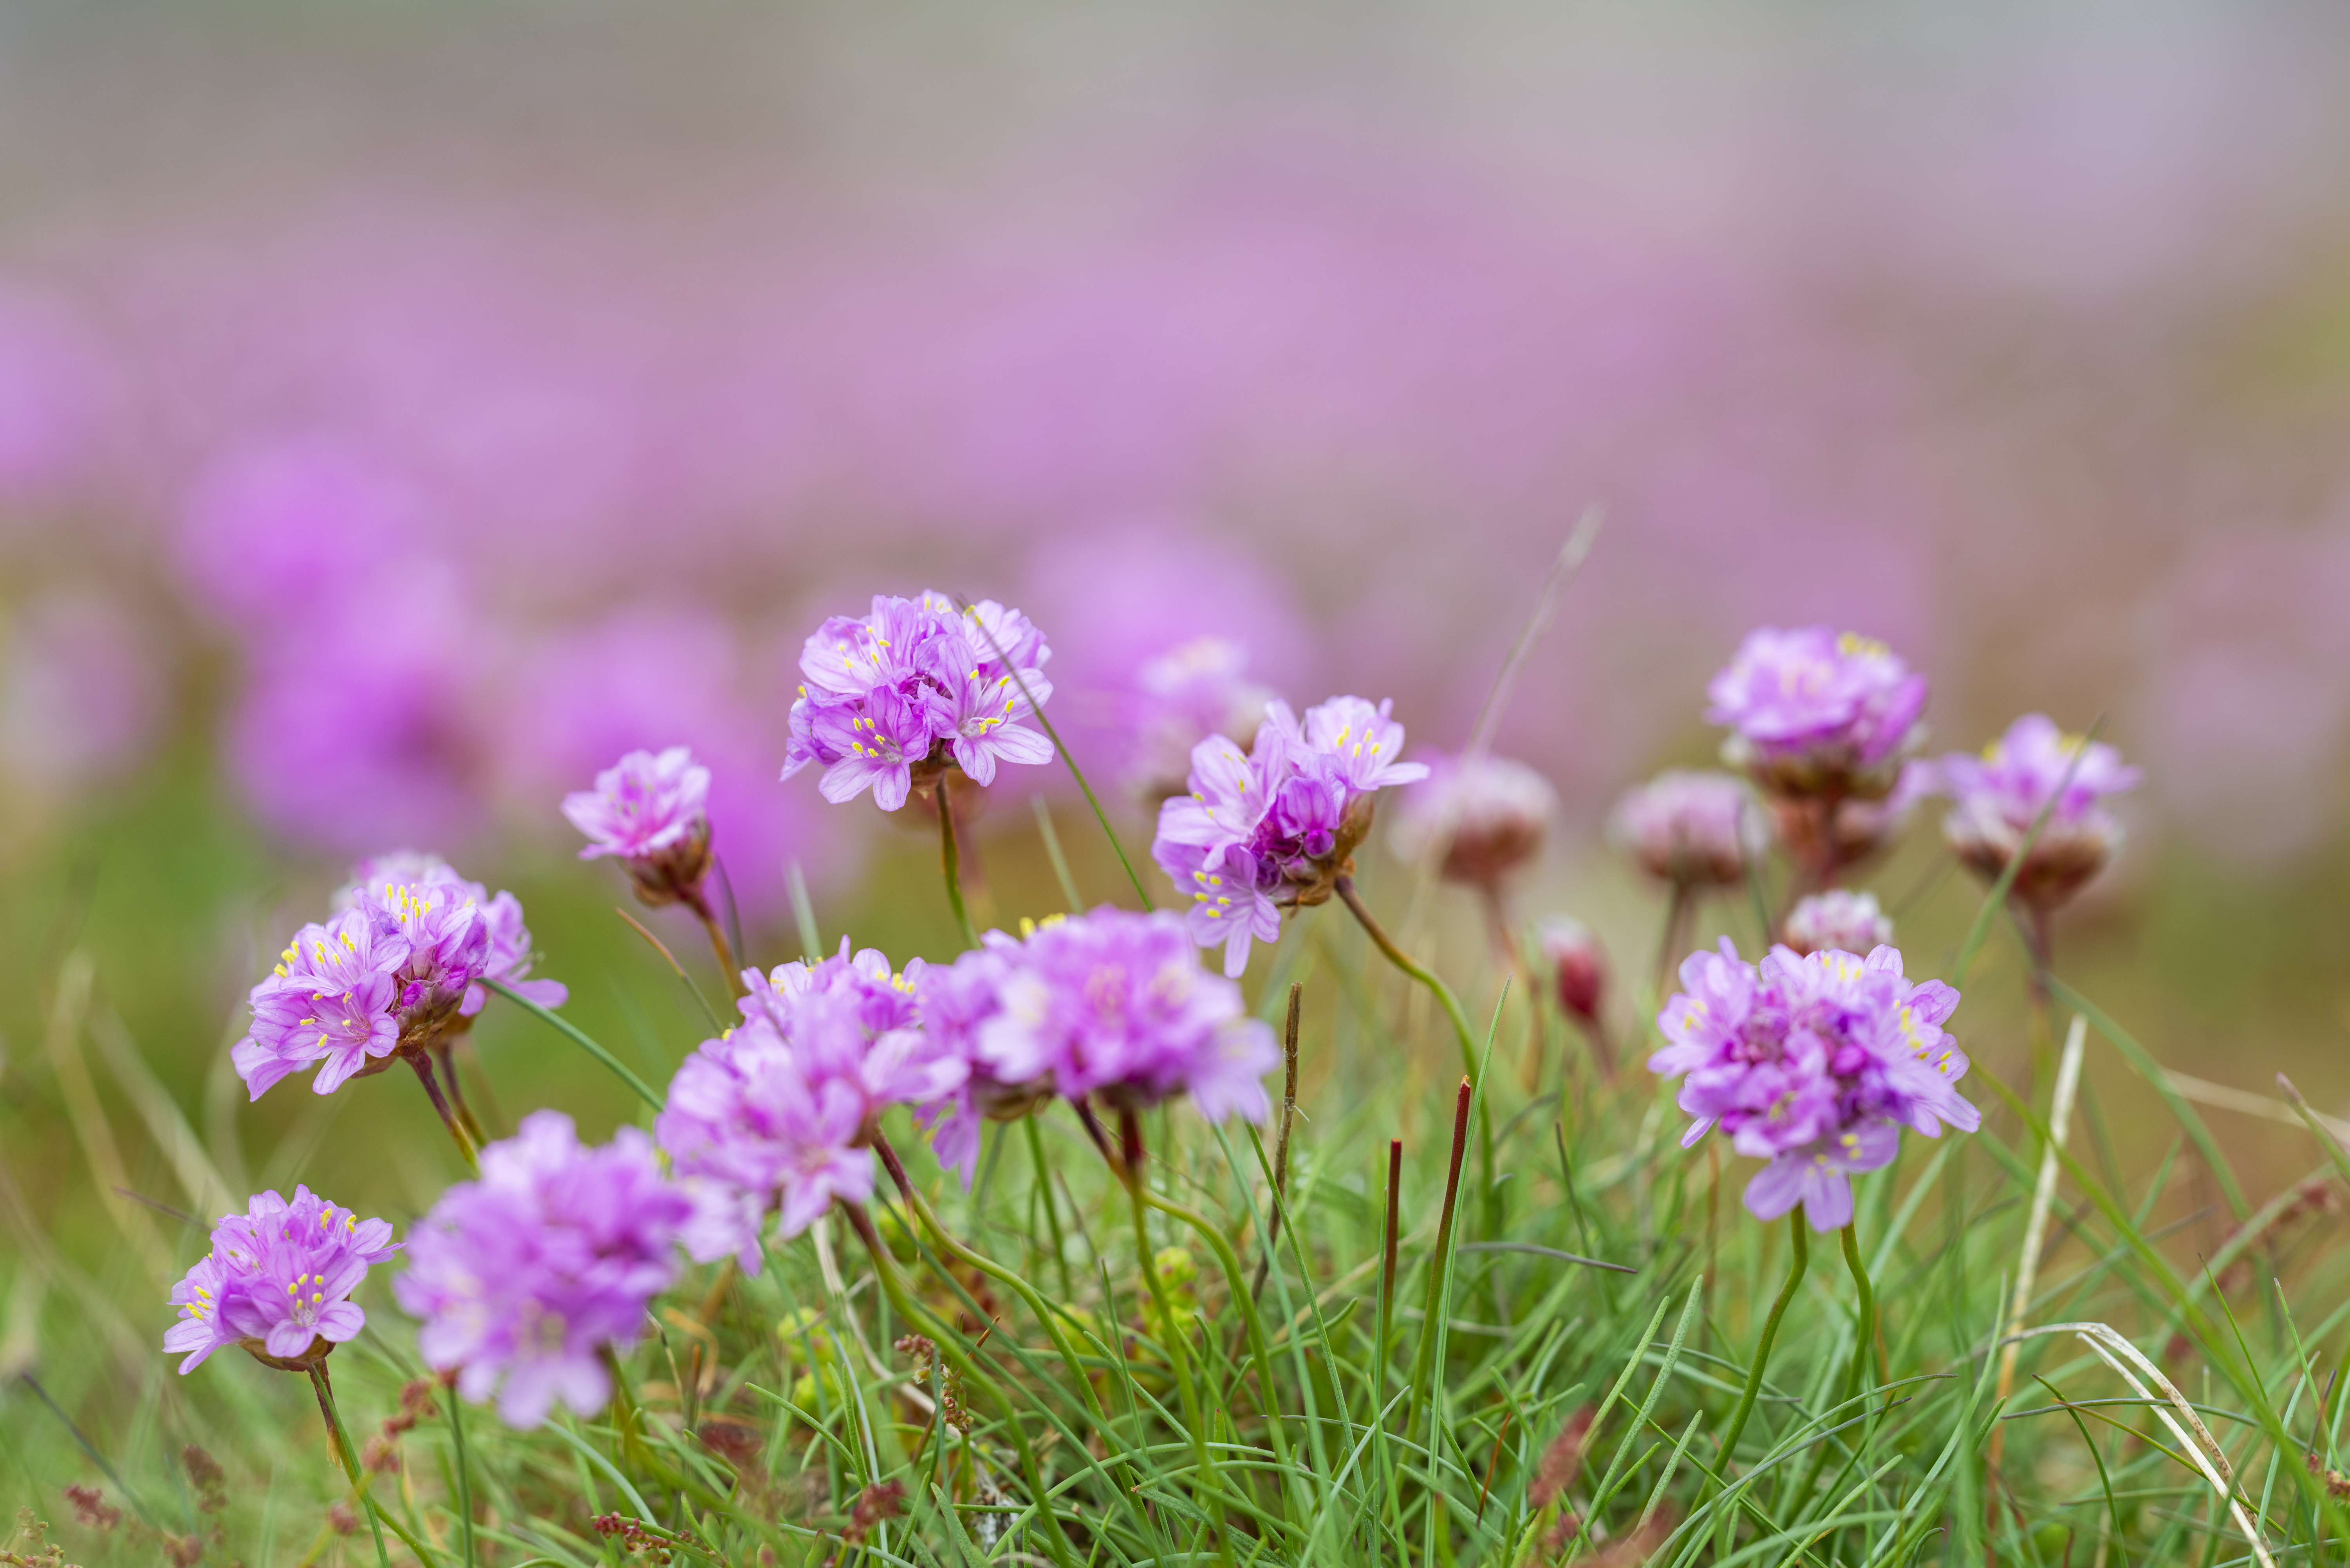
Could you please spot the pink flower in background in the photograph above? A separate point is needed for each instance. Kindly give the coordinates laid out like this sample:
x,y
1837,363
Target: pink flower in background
x,y
1837,919
1997,796
1489,814
1198,689
81,696
1814,711
1690,829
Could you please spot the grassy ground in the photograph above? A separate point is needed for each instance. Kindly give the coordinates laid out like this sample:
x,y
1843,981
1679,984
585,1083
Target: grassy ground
x,y
1500,1400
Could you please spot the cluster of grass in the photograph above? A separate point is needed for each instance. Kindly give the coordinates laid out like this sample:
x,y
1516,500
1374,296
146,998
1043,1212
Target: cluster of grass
x,y
1516,1326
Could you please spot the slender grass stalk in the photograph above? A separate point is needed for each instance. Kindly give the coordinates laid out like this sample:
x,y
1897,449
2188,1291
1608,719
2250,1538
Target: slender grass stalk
x,y
464,1475
422,1061
1800,1238
348,1457
1052,1205
720,948
1423,1361
951,864
2036,1227
1179,1357
1281,1145
1379,1352
578,1037
733,981
1050,838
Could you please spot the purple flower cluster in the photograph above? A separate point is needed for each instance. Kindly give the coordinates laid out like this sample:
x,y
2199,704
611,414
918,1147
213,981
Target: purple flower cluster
x,y
278,1281
524,1277
778,1113
1814,712
1273,827
400,964
1997,796
892,699
1838,919
1814,1062
1198,689
1489,814
1115,1003
651,812
1690,829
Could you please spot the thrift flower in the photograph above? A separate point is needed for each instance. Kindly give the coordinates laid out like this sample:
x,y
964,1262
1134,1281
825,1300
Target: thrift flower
x,y
1276,828
1814,1062
1692,829
957,1001
1182,697
893,700
1996,797
524,1277
1814,713
1489,814
278,1281
778,1113
1115,1003
510,954
332,1001
652,813
1846,921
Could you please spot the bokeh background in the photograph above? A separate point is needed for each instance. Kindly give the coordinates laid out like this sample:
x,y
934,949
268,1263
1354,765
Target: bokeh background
x,y
405,408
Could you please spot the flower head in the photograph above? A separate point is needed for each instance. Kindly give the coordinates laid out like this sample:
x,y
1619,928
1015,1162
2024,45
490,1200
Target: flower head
x,y
1488,814
510,955
1185,695
651,811
332,1001
1115,1003
957,1001
1850,922
1274,828
523,1277
778,1113
894,699
1997,796
1814,712
1692,829
1814,1062
278,1281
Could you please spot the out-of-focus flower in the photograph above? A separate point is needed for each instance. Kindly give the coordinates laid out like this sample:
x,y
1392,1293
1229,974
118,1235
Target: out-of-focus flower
x,y
651,812
1815,713
1115,1003
778,1113
957,1001
1814,1062
1182,697
278,1281
1850,922
895,699
1276,828
1692,829
1489,814
80,692
1577,965
1997,796
1856,829
523,1277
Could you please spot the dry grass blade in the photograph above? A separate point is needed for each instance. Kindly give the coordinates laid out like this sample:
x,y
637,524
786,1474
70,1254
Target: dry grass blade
x,y
2195,1438
2043,1196
66,1017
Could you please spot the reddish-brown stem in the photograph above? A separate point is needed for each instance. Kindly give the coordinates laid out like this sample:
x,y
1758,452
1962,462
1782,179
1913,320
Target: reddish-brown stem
x,y
695,899
1424,1361
1095,1130
1395,1193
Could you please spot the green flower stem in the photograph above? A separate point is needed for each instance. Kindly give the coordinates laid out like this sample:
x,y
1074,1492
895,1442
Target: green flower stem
x,y
994,1271
1462,1030
578,1037
349,1457
1802,1241
720,948
422,1062
1258,1348
951,862
950,1348
1052,1209
1868,1340
1178,1356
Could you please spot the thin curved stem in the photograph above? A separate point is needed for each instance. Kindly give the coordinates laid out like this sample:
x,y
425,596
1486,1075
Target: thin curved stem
x,y
578,1037
1801,1240
422,1061
886,1270
447,1052
1868,1340
720,948
341,1442
1423,1361
1179,1357
951,862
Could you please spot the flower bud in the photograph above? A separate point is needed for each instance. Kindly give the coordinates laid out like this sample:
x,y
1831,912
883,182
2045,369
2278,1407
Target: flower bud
x,y
1998,796
1577,966
1489,814
1837,920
